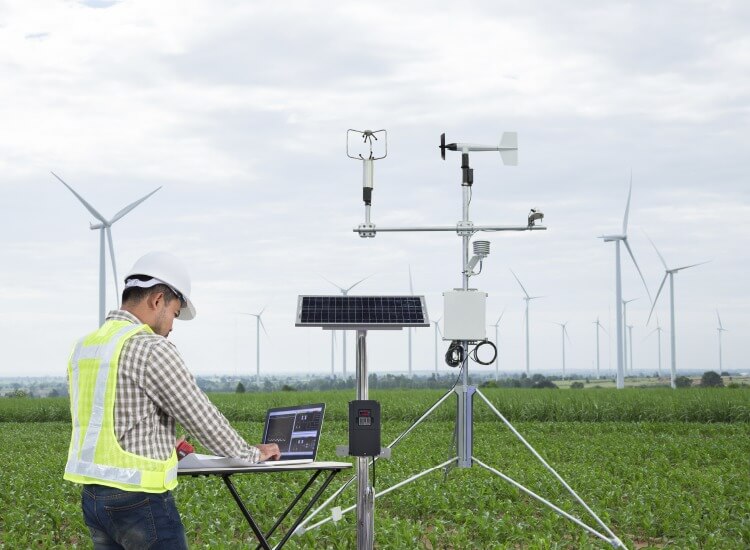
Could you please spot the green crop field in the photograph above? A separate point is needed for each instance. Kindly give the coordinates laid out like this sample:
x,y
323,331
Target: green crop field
x,y
664,469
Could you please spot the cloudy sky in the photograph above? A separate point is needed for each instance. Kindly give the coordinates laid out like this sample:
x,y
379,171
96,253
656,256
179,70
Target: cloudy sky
x,y
239,111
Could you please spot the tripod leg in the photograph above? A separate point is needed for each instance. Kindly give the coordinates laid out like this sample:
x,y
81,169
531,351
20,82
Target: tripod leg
x,y
549,468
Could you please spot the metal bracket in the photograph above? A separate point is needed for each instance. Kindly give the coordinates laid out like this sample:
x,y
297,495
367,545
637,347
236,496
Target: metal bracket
x,y
366,230
465,228
342,450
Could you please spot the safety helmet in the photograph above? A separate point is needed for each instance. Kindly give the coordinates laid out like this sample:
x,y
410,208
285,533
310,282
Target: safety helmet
x,y
168,269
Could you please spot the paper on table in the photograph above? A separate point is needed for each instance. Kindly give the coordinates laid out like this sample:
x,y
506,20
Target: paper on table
x,y
195,460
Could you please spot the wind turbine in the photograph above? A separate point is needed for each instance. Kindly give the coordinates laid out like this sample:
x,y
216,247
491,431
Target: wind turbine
x,y
333,354
410,329
669,273
528,299
345,292
104,226
497,344
258,324
617,239
625,323
564,335
630,343
720,329
437,330
658,331
598,326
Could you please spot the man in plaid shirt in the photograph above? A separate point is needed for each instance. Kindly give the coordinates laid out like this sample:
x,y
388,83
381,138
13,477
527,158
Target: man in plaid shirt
x,y
154,390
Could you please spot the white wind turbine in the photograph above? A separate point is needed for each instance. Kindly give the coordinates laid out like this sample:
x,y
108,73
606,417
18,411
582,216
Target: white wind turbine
x,y
497,345
628,347
720,329
669,273
437,331
333,353
410,329
563,326
104,226
527,298
658,330
345,292
598,327
258,324
617,239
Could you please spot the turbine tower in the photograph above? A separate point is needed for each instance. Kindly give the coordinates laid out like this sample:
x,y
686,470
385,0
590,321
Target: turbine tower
x,y
497,344
258,324
333,353
437,330
105,226
720,329
629,368
617,239
598,326
527,298
410,329
630,344
345,292
563,326
658,331
669,273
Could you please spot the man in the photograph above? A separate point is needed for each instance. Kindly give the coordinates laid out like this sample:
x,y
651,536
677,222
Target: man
x,y
128,387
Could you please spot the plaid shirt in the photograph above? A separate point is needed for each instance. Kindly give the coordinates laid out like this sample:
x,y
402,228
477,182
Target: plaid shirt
x,y
155,390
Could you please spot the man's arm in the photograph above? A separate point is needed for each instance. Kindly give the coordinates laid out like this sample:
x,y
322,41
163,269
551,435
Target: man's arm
x,y
173,388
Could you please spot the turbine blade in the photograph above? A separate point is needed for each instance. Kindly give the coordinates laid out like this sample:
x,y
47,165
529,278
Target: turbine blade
x,y
128,208
114,267
355,284
262,310
501,316
519,282
342,289
627,207
719,318
90,208
657,251
565,332
687,266
262,325
664,280
630,251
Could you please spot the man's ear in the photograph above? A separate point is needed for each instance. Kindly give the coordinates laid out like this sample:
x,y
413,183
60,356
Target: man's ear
x,y
155,300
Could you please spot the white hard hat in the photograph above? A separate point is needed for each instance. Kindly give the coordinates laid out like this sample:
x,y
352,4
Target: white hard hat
x,y
168,269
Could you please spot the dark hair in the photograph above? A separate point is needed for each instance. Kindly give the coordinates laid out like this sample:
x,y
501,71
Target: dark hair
x,y
135,294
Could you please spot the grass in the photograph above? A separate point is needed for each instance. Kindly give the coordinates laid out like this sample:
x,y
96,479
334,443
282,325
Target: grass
x,y
658,476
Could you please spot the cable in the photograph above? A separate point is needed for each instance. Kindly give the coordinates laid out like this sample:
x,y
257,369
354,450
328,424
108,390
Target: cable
x,y
455,355
473,353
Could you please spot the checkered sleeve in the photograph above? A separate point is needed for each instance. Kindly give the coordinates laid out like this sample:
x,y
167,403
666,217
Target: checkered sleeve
x,y
173,388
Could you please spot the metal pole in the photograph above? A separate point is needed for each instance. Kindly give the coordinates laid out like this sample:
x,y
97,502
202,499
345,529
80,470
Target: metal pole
x,y
257,348
658,337
409,332
528,372
497,356
721,369
563,350
597,349
625,334
673,380
102,275
618,306
343,358
630,344
464,392
436,350
365,492
333,342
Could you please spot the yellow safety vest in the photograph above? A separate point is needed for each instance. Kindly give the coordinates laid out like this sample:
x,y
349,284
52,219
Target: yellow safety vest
x,y
95,455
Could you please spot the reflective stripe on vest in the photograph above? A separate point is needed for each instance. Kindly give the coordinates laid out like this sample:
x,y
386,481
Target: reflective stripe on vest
x,y
116,467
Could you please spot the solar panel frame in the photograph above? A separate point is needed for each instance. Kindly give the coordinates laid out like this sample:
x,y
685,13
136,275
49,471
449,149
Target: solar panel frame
x,y
339,312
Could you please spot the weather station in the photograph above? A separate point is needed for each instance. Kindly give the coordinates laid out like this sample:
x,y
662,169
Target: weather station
x,y
465,330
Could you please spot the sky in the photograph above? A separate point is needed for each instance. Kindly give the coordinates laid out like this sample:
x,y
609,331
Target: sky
x,y
239,111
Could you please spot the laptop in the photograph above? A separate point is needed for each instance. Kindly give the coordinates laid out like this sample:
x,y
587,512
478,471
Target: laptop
x,y
296,430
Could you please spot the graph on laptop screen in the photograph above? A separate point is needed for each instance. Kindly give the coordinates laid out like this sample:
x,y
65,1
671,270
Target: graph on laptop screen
x,y
296,430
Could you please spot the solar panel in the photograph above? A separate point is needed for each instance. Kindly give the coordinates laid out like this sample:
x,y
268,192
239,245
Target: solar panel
x,y
362,312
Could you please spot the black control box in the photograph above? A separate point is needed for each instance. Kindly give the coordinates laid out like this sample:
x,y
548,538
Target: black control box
x,y
364,428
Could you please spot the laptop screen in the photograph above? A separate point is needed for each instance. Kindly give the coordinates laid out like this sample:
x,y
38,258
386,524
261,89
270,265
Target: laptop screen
x,y
296,430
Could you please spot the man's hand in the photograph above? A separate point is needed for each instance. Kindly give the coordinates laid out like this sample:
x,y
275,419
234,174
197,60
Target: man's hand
x,y
269,451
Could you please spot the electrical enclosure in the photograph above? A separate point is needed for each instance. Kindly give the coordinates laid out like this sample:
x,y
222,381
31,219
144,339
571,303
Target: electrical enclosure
x,y
465,315
364,428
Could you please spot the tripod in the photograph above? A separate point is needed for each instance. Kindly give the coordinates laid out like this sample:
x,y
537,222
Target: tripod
x,y
463,391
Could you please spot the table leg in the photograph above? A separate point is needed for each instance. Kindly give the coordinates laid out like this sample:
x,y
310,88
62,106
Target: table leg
x,y
248,517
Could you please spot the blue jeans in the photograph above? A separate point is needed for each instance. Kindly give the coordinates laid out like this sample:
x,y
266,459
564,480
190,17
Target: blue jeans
x,y
120,519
